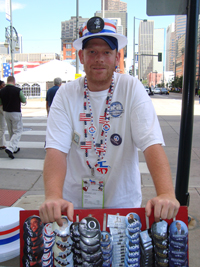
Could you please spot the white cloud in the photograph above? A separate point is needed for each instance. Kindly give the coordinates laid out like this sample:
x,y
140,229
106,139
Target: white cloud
x,y
15,6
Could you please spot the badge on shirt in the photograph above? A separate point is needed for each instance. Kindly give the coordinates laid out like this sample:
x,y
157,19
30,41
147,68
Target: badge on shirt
x,y
92,193
76,138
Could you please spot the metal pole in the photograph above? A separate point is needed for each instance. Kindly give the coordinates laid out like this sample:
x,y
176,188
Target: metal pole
x,y
186,127
134,46
77,34
11,39
103,9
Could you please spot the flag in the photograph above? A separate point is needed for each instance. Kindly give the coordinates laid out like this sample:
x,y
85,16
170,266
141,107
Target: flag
x,y
85,117
102,119
86,145
100,147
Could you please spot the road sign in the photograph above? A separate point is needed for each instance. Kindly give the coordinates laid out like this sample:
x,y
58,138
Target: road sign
x,y
166,7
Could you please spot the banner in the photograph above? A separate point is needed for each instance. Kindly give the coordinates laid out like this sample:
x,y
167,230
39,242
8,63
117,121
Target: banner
x,y
7,2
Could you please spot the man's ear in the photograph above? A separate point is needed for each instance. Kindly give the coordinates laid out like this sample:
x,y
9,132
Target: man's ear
x,y
80,54
117,58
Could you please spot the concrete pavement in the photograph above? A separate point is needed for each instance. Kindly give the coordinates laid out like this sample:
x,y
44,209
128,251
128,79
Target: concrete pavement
x,y
169,112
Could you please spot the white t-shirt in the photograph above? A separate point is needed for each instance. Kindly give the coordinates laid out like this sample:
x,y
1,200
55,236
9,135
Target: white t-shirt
x,y
133,124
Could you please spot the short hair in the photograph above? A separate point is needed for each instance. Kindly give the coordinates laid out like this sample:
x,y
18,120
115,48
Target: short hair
x,y
11,79
57,81
1,82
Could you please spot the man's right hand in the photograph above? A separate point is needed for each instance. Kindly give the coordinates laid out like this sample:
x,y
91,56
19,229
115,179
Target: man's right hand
x,y
52,209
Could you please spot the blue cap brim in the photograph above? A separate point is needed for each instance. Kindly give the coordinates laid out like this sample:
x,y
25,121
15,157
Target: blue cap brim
x,y
111,41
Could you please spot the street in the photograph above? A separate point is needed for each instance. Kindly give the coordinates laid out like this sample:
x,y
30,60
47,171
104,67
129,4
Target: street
x,y
22,178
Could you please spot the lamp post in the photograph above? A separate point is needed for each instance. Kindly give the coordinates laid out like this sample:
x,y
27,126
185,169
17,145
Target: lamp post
x,y
11,35
77,34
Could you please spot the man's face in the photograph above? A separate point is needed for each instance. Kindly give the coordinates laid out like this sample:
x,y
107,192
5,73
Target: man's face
x,y
34,224
178,225
2,85
99,61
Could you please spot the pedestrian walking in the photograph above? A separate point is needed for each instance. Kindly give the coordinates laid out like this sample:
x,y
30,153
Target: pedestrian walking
x,y
51,93
2,122
11,97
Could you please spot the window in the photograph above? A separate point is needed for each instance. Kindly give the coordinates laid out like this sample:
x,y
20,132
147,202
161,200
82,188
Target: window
x,y
26,89
68,53
68,46
35,89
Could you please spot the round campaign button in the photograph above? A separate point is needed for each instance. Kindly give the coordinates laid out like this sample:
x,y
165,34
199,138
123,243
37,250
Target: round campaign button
x,y
28,263
89,227
105,239
74,229
48,231
33,241
91,257
106,127
63,230
33,226
95,24
116,139
92,130
91,241
89,249
133,220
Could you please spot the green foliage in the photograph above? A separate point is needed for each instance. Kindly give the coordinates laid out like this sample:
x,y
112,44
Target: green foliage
x,y
178,82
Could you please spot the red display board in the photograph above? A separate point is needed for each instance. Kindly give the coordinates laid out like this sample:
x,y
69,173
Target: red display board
x,y
99,215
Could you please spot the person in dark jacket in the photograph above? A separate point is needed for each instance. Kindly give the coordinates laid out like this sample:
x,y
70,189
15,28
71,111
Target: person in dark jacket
x,y
11,97
51,93
2,122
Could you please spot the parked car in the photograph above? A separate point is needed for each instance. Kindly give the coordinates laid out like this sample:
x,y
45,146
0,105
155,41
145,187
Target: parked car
x,y
156,90
147,89
164,91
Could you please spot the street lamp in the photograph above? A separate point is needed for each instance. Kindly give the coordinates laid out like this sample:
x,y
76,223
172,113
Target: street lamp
x,y
11,37
134,42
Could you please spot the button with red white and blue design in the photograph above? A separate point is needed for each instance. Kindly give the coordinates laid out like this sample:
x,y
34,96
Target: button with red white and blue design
x,y
116,139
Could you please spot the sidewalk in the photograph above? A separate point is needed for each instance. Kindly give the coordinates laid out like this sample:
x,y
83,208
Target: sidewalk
x,y
169,116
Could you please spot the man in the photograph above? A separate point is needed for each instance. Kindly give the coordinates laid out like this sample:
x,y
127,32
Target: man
x,y
2,122
51,93
95,127
11,97
179,231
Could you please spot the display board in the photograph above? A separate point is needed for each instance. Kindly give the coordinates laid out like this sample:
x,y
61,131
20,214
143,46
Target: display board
x,y
99,215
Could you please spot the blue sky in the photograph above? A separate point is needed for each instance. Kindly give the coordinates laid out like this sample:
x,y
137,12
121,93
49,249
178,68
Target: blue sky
x,y
39,21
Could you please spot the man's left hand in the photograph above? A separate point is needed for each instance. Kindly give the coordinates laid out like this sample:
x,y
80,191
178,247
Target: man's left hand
x,y
165,207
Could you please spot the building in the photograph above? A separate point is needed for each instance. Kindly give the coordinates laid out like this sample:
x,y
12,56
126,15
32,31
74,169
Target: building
x,y
170,48
180,29
68,35
114,5
145,48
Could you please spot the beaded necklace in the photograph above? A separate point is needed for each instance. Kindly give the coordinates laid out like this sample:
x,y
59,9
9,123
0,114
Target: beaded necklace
x,y
100,149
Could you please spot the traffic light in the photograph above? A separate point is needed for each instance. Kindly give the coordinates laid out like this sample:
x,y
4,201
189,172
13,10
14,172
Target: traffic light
x,y
159,57
130,72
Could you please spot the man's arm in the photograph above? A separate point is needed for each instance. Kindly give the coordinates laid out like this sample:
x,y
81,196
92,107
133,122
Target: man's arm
x,y
55,167
47,107
165,204
22,97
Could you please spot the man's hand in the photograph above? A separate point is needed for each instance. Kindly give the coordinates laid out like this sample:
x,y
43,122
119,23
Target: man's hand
x,y
165,207
51,210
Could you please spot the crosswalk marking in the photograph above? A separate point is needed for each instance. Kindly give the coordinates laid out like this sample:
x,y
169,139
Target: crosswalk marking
x,y
35,164
32,132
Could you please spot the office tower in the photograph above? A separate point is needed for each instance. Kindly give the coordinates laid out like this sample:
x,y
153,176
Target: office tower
x,y
114,5
170,48
68,35
145,47
180,25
